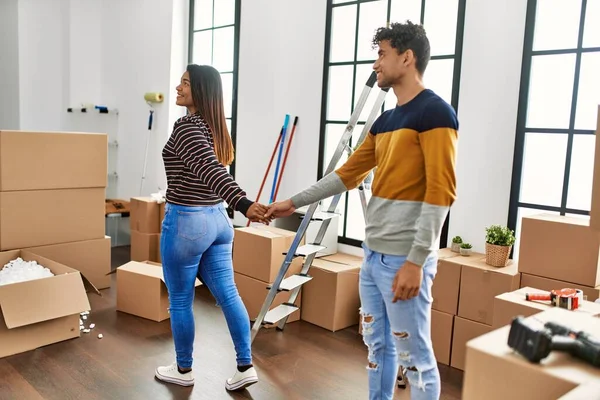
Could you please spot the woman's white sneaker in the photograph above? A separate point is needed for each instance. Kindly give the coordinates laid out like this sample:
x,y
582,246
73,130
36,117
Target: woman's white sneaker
x,y
242,380
171,374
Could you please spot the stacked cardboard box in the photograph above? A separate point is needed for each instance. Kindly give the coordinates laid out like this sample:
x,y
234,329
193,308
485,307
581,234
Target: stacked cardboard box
x,y
557,252
463,302
145,222
497,372
52,192
258,252
331,299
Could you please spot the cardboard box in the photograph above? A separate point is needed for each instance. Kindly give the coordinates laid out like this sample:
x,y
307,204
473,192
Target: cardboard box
x,y
509,305
442,325
141,290
595,209
52,160
43,217
446,284
145,215
40,312
344,258
560,247
254,292
90,257
145,246
331,300
464,330
258,252
495,372
547,284
480,283
446,253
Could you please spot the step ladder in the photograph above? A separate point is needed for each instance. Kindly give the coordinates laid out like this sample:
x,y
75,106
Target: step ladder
x,y
294,283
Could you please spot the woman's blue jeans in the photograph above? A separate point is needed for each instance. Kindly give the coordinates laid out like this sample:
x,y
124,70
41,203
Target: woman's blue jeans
x,y
197,242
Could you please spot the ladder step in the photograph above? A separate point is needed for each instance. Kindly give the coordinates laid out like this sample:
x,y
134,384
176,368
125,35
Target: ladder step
x,y
278,313
292,282
308,249
323,215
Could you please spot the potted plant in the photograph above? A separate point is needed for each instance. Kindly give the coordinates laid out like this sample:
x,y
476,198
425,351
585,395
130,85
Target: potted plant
x,y
465,249
456,242
498,244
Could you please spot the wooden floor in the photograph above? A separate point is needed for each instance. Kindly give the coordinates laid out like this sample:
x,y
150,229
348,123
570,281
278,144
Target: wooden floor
x,y
303,362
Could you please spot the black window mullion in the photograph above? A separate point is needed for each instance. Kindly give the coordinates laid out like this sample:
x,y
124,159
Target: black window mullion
x,y
517,173
565,192
347,195
422,12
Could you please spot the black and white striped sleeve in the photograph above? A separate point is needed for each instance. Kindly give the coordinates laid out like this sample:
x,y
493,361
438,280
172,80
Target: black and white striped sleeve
x,y
192,146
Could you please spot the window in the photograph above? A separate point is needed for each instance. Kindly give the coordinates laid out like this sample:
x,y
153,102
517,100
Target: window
x,y
558,105
214,40
349,60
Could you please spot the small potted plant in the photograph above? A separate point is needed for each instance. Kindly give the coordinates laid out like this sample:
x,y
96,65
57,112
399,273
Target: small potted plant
x,y
456,242
498,244
465,249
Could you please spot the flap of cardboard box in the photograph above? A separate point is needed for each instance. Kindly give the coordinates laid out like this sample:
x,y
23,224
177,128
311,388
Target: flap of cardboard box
x,y
29,302
268,232
343,258
147,268
333,267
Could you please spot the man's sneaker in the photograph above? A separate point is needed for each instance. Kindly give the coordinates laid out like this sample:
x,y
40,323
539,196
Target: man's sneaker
x,y
171,374
242,380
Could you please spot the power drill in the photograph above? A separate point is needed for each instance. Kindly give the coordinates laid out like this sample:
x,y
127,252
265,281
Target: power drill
x,y
534,341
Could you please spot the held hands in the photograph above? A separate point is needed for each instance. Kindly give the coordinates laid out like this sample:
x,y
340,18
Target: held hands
x,y
407,282
257,213
280,209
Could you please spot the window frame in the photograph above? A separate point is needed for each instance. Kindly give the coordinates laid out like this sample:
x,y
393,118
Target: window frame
x,y
457,57
521,127
235,70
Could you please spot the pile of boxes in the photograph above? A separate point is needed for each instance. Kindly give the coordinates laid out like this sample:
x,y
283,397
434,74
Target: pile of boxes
x,y
258,252
463,302
52,196
329,300
145,222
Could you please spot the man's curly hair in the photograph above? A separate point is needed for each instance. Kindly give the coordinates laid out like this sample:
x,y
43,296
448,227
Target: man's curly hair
x,y
405,36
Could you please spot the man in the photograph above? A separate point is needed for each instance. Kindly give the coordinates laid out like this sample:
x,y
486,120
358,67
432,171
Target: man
x,y
413,147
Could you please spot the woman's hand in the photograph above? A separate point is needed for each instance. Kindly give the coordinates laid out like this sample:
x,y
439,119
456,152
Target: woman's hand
x,y
257,213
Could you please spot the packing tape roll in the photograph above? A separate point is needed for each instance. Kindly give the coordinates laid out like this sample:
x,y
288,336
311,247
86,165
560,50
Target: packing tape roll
x,y
154,97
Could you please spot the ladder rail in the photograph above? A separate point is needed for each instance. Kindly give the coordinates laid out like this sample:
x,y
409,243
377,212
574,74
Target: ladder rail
x,y
335,200
291,254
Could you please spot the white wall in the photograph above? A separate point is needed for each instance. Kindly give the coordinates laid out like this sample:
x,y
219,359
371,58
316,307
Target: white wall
x,y
280,71
72,52
43,63
136,58
487,113
9,65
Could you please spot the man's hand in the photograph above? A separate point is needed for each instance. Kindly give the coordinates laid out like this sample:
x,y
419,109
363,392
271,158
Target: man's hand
x,y
256,213
281,209
407,281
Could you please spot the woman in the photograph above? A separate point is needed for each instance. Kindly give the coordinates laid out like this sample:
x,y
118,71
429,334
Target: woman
x,y
197,234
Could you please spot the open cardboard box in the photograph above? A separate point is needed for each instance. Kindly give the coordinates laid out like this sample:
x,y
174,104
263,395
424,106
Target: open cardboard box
x,y
43,311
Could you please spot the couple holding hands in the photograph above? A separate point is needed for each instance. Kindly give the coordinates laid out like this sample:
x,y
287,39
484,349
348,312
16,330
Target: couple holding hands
x,y
413,147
